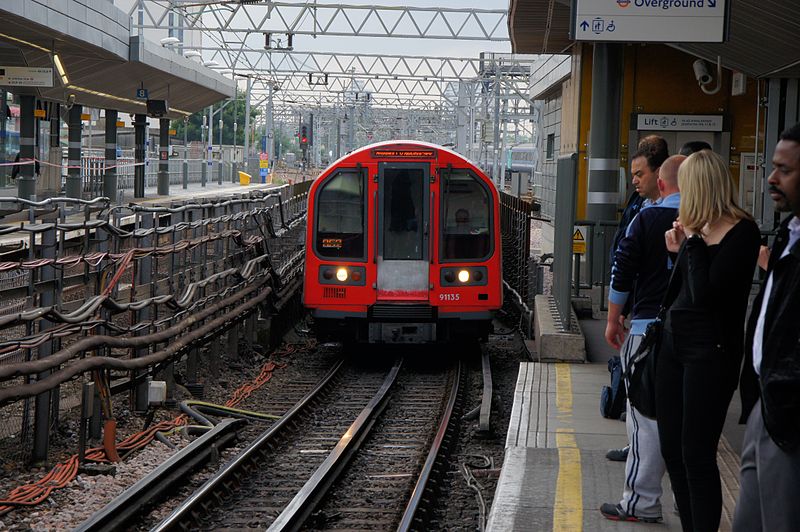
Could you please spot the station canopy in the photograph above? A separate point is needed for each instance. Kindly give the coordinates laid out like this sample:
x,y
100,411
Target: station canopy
x,y
762,38
104,63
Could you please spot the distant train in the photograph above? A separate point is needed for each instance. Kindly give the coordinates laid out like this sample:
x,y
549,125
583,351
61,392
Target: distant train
x,y
522,158
402,246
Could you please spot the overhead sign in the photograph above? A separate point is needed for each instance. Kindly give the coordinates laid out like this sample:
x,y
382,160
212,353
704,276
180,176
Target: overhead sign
x,y
142,94
18,76
654,122
578,243
665,21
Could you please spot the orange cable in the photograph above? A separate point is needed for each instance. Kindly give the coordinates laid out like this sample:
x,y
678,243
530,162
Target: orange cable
x,y
63,473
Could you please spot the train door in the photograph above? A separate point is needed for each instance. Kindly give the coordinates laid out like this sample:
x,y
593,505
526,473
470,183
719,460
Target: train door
x,y
403,231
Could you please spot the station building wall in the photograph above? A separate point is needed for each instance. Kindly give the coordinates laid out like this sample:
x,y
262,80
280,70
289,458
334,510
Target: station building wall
x,y
657,79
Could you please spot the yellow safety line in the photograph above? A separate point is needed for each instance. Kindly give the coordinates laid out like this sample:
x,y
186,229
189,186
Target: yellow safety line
x,y
568,507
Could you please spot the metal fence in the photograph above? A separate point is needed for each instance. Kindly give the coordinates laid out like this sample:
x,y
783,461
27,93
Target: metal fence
x,y
89,290
93,168
515,227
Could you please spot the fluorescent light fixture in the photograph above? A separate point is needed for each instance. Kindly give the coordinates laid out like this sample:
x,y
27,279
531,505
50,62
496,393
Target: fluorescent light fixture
x,y
61,71
138,103
191,53
169,41
27,43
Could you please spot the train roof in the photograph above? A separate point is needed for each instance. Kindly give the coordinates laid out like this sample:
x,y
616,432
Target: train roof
x,y
386,143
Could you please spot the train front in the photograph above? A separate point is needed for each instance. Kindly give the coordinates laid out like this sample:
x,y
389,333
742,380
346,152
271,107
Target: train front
x,y
403,246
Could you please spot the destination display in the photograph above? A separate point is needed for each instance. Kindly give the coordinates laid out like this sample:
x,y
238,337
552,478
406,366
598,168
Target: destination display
x,y
663,21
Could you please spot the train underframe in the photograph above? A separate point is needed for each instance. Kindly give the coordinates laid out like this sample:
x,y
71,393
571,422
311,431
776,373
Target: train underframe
x,y
365,330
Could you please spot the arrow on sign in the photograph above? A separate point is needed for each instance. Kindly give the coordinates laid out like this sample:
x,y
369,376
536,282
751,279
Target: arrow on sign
x,y
712,3
584,25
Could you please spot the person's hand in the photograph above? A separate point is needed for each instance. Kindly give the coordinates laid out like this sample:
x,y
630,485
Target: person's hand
x,y
763,258
675,237
615,332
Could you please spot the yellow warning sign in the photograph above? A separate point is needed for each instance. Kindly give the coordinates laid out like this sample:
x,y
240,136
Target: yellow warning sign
x,y
578,243
39,113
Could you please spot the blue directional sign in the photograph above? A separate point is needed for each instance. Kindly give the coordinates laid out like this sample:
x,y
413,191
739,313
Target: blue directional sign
x,y
664,21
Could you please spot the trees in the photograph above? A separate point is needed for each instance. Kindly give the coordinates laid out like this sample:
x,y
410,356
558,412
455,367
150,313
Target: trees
x,y
232,111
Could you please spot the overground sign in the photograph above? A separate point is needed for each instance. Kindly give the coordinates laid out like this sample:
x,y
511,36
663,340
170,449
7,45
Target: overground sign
x,y
650,20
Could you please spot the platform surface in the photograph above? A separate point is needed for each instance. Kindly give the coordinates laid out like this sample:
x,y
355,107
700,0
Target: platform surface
x,y
555,475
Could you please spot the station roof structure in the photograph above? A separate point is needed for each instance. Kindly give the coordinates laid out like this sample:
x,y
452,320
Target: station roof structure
x,y
763,35
104,63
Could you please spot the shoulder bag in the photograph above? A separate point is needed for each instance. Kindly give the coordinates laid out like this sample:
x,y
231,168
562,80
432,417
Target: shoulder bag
x,y
640,369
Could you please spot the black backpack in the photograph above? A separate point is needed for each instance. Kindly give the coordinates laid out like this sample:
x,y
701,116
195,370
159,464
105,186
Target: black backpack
x,y
612,398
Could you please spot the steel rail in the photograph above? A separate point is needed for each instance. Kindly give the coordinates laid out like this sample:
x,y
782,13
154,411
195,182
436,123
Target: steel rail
x,y
117,514
191,507
311,493
414,503
484,421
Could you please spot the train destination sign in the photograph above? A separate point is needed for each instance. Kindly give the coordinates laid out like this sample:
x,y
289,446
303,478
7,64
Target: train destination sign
x,y
650,20
412,153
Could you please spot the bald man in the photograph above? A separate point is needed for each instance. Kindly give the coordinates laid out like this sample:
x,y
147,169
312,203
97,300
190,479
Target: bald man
x,y
641,261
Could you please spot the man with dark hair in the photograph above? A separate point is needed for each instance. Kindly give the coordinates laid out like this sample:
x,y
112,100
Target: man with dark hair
x,y
770,382
694,146
650,153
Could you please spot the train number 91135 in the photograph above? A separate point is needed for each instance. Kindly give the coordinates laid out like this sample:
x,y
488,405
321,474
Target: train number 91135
x,y
449,297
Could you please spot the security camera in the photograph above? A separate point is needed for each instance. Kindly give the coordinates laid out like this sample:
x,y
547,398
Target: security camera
x,y
701,72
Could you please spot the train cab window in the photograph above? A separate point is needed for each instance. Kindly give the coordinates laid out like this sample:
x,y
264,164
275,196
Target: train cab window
x,y
466,217
403,237
340,217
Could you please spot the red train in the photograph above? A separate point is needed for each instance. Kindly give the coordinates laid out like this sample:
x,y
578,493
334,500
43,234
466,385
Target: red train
x,y
403,246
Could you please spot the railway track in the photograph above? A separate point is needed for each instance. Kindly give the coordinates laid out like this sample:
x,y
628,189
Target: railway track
x,y
357,452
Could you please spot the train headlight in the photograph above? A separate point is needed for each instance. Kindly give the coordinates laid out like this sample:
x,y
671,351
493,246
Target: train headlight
x,y
463,276
341,274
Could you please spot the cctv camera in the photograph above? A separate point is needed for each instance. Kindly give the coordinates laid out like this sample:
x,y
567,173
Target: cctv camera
x,y
701,73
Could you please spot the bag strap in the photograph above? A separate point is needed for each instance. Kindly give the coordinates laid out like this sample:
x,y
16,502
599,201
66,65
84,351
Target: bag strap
x,y
665,303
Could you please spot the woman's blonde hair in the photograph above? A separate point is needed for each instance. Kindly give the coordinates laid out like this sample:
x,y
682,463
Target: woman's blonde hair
x,y
707,191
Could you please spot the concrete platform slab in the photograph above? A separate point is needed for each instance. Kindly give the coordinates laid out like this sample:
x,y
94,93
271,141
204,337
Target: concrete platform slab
x,y
555,475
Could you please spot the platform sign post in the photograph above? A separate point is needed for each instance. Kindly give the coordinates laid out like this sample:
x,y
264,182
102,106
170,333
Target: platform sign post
x,y
263,166
664,21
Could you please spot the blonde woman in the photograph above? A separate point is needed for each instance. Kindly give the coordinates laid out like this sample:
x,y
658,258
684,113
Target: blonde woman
x,y
698,365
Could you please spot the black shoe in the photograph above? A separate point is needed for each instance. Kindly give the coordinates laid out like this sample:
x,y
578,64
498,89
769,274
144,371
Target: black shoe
x,y
618,455
615,512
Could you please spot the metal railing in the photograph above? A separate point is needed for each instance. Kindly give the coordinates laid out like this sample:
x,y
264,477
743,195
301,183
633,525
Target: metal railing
x,y
515,228
128,291
597,266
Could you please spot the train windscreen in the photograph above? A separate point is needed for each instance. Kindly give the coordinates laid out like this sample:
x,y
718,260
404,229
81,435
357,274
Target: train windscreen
x,y
466,217
404,211
340,217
